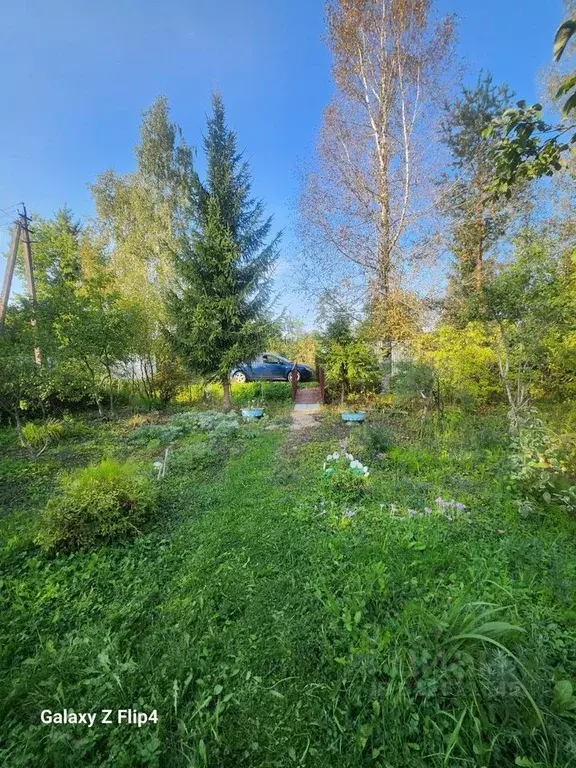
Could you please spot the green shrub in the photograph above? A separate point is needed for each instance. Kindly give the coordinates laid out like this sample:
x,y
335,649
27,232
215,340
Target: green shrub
x,y
146,403
377,439
39,435
246,394
345,477
464,361
414,381
205,421
193,456
277,392
157,434
242,394
265,392
72,428
192,394
97,505
544,466
347,485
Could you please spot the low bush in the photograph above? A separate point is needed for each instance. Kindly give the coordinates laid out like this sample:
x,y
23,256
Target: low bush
x,y
277,392
39,435
140,420
146,403
191,394
157,434
346,478
377,440
215,423
264,392
193,456
242,394
97,505
73,428
414,381
544,466
205,421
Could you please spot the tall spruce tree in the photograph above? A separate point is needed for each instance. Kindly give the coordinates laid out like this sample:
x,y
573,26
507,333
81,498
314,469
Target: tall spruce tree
x,y
220,308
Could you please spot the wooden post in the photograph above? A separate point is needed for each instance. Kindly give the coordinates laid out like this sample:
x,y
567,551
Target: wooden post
x,y
294,382
322,383
10,264
29,273
28,257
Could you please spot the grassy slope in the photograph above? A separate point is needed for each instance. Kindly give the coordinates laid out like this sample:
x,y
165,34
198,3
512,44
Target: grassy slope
x,y
267,633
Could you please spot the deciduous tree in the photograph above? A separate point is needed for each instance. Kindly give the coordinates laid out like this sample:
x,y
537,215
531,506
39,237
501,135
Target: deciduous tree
x,y
369,188
142,216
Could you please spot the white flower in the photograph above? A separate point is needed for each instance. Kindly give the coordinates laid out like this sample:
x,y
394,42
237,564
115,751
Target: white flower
x,y
158,465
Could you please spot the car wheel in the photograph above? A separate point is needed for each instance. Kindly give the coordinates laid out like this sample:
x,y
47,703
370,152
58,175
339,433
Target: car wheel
x,y
294,376
239,377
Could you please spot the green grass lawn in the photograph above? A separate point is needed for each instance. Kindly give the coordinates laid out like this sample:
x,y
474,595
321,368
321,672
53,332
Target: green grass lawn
x,y
271,622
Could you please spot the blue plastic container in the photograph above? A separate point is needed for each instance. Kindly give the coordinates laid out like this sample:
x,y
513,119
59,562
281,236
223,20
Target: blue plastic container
x,y
354,417
252,414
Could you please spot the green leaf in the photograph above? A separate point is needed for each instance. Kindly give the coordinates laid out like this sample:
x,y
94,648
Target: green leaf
x,y
568,84
569,105
453,740
563,35
564,700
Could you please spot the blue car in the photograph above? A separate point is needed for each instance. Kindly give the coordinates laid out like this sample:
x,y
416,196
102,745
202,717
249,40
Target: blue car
x,y
268,367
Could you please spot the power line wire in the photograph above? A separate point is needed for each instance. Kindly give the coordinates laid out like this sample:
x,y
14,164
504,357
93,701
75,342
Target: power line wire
x,y
9,211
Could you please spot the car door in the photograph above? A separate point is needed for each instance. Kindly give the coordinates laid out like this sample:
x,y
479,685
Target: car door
x,y
274,368
257,368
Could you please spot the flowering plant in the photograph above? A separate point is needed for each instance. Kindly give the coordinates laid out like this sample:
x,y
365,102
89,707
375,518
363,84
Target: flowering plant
x,y
346,476
450,510
336,461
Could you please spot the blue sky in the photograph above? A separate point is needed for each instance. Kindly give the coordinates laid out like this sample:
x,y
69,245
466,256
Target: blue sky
x,y
76,76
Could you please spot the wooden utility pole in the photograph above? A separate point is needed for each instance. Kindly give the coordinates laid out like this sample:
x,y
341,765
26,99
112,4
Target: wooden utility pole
x,y
20,230
10,264
29,273
28,256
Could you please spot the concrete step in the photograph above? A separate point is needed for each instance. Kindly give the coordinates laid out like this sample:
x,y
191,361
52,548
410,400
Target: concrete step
x,y
309,407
